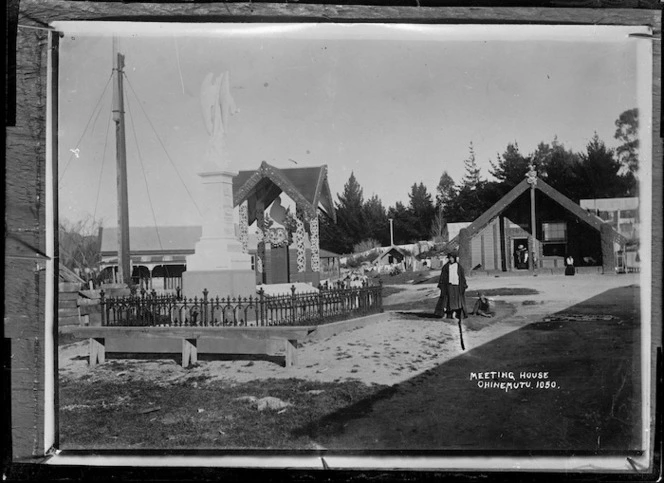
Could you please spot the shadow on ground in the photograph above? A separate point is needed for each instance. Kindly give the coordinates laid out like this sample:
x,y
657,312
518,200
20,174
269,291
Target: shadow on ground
x,y
593,408
501,310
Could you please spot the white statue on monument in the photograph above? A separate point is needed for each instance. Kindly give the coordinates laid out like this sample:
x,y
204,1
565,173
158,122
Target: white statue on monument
x,y
217,106
218,262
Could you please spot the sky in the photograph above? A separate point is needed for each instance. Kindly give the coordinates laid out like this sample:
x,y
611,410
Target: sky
x,y
395,105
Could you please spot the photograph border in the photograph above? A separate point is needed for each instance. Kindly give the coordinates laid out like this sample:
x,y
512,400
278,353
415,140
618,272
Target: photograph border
x,y
31,201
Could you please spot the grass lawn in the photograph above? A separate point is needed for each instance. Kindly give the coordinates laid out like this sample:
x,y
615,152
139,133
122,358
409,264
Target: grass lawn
x,y
135,414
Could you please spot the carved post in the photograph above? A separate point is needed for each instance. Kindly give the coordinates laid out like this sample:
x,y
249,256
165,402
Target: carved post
x,y
260,232
315,243
531,176
299,240
244,227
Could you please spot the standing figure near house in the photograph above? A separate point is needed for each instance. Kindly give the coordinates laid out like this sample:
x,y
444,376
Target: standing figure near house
x,y
454,279
521,257
453,287
569,265
442,309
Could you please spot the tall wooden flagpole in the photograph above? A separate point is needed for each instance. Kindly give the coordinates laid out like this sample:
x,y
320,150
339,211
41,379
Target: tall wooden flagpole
x,y
124,263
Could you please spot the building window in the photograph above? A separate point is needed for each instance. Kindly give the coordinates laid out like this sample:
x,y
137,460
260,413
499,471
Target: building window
x,y
554,249
627,214
554,239
253,262
554,232
607,215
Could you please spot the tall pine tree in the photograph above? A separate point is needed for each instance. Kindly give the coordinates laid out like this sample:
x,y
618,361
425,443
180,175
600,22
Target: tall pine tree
x,y
598,171
350,215
445,191
404,224
422,210
471,178
377,224
510,167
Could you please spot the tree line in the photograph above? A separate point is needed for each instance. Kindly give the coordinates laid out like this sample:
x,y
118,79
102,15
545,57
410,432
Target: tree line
x,y
596,172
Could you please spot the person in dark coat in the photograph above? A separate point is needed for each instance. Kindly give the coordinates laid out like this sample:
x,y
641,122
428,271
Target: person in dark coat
x,y
569,265
441,307
452,285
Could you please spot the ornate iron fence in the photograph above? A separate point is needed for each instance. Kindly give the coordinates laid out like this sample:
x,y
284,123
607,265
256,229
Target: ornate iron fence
x,y
327,305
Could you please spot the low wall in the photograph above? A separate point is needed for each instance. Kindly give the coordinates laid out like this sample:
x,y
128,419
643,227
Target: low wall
x,y
162,345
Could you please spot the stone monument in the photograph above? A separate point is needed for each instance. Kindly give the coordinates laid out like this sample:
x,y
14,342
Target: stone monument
x,y
218,262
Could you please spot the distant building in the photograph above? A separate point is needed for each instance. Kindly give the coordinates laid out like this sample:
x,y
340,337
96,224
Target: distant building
x,y
621,213
158,257
495,241
392,255
157,254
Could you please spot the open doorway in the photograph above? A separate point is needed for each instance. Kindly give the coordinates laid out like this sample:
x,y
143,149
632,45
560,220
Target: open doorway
x,y
520,253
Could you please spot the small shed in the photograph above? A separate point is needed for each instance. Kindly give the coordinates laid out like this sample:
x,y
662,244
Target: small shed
x,y
390,256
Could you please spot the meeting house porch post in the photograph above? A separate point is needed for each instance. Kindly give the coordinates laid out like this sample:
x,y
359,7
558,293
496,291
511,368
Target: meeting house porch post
x,y
531,177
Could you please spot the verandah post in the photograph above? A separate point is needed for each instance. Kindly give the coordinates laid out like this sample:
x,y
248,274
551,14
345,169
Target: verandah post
x,y
204,308
293,318
102,305
261,304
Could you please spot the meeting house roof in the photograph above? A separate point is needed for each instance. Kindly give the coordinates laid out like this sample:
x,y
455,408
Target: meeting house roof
x,y
501,205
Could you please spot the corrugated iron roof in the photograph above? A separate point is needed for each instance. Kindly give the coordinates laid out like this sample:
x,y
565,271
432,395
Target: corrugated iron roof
x,y
163,239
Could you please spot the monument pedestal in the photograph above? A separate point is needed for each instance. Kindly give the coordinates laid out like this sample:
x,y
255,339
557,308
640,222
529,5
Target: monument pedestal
x,y
220,283
218,263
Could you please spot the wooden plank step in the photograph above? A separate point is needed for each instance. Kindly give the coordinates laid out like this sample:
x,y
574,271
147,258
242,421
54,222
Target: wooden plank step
x,y
68,321
279,332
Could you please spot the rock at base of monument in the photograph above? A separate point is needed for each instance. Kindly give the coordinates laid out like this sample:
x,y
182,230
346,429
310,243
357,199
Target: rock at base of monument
x,y
219,283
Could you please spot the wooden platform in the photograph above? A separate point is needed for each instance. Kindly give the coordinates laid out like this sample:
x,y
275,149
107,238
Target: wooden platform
x,y
189,337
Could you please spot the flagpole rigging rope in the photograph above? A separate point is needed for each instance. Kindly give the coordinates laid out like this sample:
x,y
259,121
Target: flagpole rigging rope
x,y
145,179
163,147
101,170
64,170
